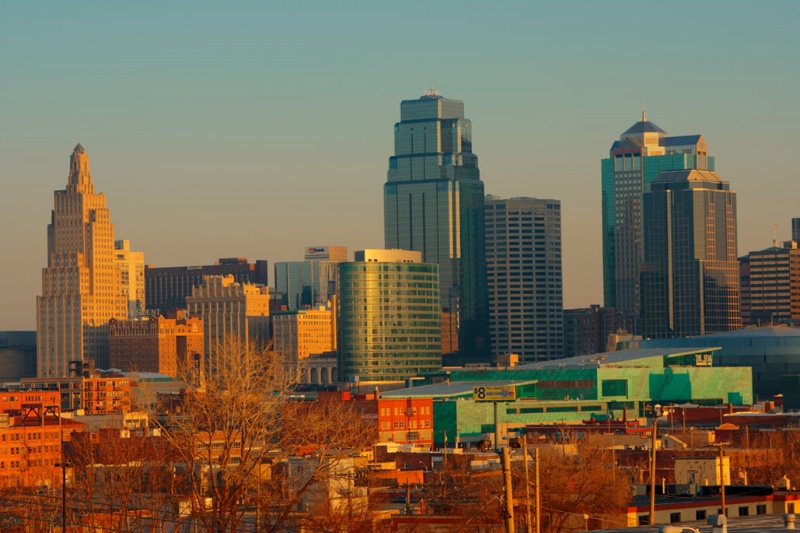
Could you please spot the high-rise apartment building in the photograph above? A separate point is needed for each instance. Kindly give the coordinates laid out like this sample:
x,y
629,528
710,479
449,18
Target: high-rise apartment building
x,y
131,269
796,229
433,203
171,344
690,273
770,284
641,153
230,311
389,316
309,283
523,265
167,287
80,285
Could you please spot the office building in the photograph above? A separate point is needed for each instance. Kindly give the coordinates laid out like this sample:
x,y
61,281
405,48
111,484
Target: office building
x,y
523,271
587,330
690,273
770,285
796,229
80,285
641,153
433,203
172,344
231,312
309,283
300,334
389,316
131,269
167,287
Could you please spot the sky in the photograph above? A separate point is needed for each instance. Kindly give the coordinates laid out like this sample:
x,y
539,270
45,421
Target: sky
x,y
255,129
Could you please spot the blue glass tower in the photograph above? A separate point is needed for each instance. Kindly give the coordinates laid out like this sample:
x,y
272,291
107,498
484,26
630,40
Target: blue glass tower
x,y
434,202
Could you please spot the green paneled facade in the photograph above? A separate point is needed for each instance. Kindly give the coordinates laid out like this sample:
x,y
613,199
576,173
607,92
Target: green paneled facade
x,y
571,394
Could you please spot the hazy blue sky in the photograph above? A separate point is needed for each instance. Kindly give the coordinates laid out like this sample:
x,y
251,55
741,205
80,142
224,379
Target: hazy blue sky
x,y
256,128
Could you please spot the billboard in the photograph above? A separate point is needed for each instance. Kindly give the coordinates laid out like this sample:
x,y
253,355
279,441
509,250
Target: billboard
x,y
494,393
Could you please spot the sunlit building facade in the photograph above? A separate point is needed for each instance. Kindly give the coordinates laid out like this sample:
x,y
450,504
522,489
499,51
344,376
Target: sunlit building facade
x,y
690,273
389,317
231,312
433,203
523,262
131,270
172,344
81,283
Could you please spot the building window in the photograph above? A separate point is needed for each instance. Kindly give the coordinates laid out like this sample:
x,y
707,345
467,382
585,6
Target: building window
x,y
674,517
761,508
744,511
700,515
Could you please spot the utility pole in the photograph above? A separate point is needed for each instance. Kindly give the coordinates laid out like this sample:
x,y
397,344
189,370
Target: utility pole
x,y
537,500
653,474
527,485
508,513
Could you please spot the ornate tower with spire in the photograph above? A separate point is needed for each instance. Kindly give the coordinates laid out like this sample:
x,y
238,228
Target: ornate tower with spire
x,y
80,285
641,153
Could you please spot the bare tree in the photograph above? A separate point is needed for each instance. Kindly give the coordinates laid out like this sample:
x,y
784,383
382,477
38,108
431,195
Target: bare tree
x,y
234,435
580,486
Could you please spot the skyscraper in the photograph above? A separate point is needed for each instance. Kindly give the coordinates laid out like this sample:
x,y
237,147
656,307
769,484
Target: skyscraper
x,y
523,263
80,285
433,203
796,229
389,317
690,273
641,152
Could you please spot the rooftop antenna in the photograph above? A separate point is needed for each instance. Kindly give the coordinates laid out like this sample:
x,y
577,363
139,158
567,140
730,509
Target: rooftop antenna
x,y
775,235
644,112
431,92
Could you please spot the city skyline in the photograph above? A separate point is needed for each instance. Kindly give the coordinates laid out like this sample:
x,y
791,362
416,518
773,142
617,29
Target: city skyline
x,y
277,103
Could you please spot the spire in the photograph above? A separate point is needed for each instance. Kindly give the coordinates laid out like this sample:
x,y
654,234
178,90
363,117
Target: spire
x,y
431,93
644,112
80,179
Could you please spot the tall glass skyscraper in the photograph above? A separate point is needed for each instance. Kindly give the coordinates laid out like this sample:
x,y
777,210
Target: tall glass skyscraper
x,y
433,203
690,273
641,152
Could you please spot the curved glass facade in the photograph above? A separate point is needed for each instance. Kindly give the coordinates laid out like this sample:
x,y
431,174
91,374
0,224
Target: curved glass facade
x,y
389,320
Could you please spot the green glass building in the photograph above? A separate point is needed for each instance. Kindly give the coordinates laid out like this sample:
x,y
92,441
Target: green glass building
x,y
389,325
641,153
433,203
